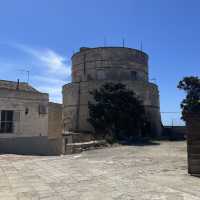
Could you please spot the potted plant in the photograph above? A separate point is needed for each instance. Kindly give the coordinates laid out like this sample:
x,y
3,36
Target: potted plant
x,y
191,115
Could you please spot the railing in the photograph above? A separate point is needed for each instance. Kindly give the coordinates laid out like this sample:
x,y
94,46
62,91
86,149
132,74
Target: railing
x,y
172,119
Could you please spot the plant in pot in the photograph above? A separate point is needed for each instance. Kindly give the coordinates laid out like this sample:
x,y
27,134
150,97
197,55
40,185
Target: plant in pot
x,y
191,115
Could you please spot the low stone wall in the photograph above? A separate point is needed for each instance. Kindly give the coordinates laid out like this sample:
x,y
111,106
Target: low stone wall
x,y
31,145
175,132
79,147
82,137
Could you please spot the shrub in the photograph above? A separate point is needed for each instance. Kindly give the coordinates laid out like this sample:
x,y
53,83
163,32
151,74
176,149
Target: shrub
x,y
117,112
191,103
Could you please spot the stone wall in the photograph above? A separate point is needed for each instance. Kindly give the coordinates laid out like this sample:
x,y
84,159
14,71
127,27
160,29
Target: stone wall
x,y
114,63
55,125
175,132
38,145
93,67
147,92
30,112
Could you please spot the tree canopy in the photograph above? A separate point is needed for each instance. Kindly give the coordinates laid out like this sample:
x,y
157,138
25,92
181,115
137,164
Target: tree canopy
x,y
191,103
116,111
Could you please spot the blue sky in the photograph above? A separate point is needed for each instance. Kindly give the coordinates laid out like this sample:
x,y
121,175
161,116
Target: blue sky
x,y
41,36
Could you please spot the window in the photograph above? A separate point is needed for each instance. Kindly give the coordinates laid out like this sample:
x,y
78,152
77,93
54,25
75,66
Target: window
x,y
26,111
6,123
133,75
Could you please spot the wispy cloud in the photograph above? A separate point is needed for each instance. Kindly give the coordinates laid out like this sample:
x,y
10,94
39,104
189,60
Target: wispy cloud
x,y
54,63
49,80
50,85
49,69
55,91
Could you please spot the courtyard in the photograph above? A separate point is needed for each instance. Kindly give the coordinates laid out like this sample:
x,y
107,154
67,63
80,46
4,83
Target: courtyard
x,y
157,171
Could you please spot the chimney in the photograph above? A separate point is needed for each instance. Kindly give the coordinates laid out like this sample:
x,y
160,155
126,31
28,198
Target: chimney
x,y
17,88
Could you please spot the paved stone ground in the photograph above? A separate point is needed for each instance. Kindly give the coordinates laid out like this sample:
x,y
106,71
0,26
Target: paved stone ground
x,y
121,173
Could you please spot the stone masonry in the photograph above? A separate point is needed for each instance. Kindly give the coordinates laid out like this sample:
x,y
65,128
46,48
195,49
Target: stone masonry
x,y
92,67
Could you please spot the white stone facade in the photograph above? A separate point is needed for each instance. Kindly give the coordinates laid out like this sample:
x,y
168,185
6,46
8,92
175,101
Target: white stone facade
x,y
28,112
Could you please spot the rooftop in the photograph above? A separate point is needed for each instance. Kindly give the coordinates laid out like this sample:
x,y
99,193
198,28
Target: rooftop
x,y
13,85
86,49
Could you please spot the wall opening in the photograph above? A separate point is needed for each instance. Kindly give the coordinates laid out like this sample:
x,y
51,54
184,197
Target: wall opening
x,y
133,75
6,123
26,111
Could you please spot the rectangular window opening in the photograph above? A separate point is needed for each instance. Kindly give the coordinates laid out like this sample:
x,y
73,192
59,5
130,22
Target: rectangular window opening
x,y
133,75
6,123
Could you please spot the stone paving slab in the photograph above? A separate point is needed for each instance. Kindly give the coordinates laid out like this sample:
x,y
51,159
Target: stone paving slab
x,y
153,172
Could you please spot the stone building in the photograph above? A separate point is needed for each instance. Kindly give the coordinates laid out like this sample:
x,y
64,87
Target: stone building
x,y
55,124
27,122
92,67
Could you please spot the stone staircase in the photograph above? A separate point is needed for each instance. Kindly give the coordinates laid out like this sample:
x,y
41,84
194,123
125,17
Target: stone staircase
x,y
78,142
72,148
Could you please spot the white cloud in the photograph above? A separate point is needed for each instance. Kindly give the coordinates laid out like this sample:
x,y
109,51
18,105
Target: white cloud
x,y
53,70
49,80
54,63
51,86
49,70
55,91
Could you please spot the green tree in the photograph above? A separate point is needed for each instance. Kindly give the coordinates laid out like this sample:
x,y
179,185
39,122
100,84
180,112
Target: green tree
x,y
191,103
116,111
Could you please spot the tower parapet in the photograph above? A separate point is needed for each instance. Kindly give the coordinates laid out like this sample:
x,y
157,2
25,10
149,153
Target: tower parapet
x,y
109,63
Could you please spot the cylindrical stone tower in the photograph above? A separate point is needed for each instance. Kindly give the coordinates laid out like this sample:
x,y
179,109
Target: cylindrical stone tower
x,y
92,67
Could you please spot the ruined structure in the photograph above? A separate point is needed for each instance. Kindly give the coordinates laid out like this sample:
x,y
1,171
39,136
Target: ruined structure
x,y
92,67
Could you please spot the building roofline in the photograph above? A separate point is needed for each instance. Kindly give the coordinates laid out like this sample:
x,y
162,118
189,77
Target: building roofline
x,y
87,49
29,89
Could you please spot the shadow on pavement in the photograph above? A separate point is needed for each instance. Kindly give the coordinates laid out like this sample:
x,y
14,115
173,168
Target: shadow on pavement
x,y
139,142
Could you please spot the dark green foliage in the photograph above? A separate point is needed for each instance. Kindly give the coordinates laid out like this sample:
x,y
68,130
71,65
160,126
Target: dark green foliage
x,y
117,112
191,104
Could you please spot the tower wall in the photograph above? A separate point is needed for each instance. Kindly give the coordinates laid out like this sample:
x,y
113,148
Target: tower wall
x,y
109,63
92,67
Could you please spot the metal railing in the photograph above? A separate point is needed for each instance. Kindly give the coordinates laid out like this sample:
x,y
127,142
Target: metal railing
x,y
172,119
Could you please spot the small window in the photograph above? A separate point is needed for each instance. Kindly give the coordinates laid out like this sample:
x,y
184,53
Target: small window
x,y
133,75
26,111
6,123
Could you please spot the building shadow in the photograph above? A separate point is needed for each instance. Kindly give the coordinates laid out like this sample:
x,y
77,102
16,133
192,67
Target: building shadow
x,y
140,142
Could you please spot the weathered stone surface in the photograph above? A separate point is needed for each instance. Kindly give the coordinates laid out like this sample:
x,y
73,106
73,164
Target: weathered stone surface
x,y
26,105
92,67
193,142
36,124
153,172
37,145
55,124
